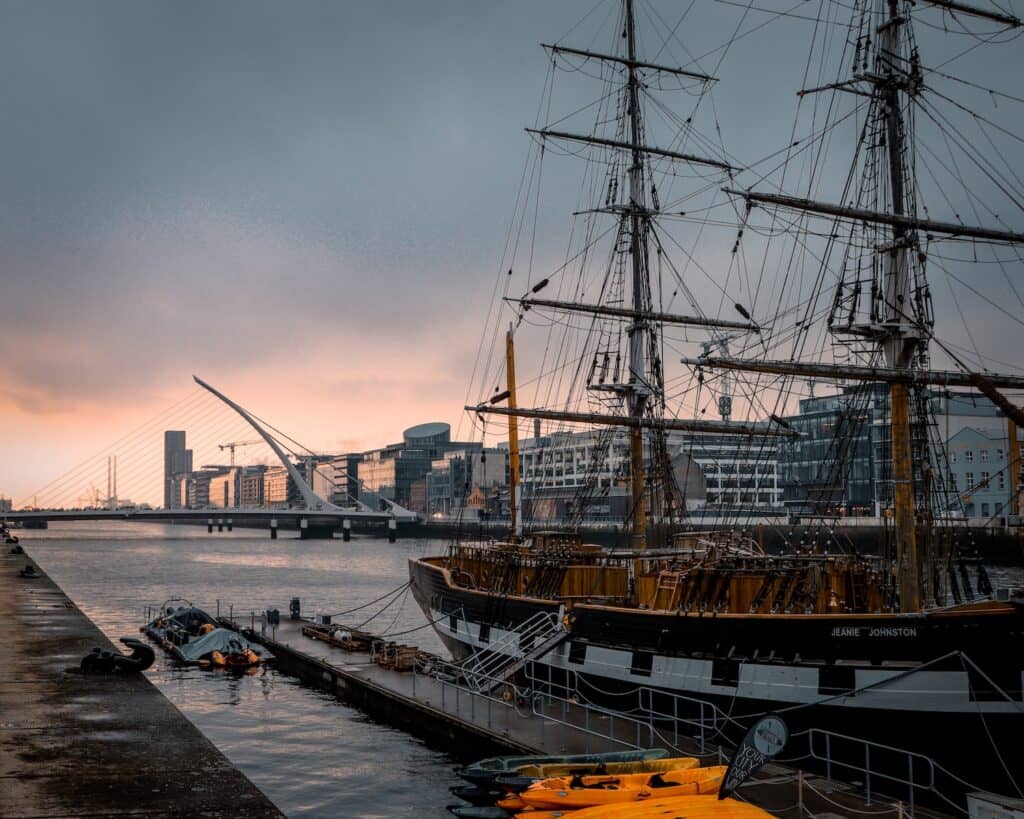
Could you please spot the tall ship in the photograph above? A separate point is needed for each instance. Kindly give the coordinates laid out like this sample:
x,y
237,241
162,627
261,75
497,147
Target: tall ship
x,y
824,279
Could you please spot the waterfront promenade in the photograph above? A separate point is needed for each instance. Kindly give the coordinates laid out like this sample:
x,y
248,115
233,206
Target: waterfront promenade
x,y
83,746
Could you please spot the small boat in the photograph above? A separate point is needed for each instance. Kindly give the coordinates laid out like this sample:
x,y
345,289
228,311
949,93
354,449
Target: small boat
x,y
483,773
475,795
589,791
690,807
193,637
527,775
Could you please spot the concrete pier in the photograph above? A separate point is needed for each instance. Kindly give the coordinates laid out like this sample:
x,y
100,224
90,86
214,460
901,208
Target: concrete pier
x,y
86,746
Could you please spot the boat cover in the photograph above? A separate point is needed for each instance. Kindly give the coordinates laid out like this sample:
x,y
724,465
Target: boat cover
x,y
220,639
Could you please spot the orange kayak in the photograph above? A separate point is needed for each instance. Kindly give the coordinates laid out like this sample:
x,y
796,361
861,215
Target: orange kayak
x,y
648,766
680,807
573,793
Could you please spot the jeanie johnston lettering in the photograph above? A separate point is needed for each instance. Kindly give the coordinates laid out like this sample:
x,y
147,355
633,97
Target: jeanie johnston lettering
x,y
874,631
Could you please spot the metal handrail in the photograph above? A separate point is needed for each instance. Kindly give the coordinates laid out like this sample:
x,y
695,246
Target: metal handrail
x,y
449,674
702,722
538,699
479,667
911,782
706,726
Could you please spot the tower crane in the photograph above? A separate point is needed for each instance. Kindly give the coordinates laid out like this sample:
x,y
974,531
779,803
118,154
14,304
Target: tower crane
x,y
725,394
231,445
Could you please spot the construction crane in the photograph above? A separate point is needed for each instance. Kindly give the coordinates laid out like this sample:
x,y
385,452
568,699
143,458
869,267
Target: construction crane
x,y
232,444
725,394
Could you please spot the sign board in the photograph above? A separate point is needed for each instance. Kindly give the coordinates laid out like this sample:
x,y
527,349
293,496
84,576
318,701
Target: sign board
x,y
765,740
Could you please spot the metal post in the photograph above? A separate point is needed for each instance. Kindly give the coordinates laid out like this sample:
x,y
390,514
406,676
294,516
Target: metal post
x,y
472,707
828,757
489,712
910,765
414,679
218,608
800,793
458,688
675,724
442,695
867,772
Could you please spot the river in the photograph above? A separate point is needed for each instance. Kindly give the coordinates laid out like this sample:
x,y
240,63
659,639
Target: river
x,y
308,752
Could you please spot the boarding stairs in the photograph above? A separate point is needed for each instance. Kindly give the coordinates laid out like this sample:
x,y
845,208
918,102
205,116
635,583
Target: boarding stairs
x,y
490,667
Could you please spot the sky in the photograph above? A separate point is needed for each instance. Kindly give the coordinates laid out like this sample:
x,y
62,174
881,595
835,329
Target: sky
x,y
305,203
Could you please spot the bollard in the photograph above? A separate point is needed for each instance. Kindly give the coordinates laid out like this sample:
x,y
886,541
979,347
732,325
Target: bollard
x,y
230,525
346,530
392,530
220,524
209,526
273,528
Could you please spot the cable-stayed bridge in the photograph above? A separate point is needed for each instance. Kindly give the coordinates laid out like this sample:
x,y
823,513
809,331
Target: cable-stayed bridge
x,y
319,499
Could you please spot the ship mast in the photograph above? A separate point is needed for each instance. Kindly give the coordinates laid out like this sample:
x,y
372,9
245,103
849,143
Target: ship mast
x,y
901,339
637,396
900,325
640,389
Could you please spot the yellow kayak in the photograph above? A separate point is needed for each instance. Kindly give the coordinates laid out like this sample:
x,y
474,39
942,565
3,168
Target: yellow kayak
x,y
639,766
589,791
680,807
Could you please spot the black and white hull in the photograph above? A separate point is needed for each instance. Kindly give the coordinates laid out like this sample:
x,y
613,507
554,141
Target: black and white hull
x,y
948,688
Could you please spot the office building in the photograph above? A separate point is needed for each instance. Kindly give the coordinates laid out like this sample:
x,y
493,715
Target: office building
x,y
177,461
390,472
840,463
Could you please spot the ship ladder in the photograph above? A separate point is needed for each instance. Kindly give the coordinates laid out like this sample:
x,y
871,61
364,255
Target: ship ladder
x,y
668,582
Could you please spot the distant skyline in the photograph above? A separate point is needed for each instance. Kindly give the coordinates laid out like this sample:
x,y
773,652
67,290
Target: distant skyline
x,y
304,203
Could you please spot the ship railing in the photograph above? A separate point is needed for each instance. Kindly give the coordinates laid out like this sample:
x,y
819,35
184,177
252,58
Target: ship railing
x,y
703,718
591,721
873,760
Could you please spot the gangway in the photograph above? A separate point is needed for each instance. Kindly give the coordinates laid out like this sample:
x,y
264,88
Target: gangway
x,y
487,668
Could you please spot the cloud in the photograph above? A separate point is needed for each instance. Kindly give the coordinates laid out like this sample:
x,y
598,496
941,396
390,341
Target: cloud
x,y
307,203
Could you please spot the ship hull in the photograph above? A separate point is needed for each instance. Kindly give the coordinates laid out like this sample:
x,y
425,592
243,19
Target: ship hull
x,y
945,687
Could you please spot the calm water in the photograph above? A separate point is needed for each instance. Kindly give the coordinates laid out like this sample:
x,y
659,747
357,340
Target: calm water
x,y
309,753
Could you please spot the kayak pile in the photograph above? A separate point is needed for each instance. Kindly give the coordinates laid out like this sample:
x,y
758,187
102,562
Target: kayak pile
x,y
620,785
